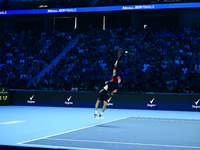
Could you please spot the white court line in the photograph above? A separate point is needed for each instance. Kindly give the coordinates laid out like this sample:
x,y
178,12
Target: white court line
x,y
72,130
65,147
166,119
124,143
12,122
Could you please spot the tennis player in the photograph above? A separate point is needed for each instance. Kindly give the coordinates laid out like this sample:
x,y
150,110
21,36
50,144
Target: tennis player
x,y
110,86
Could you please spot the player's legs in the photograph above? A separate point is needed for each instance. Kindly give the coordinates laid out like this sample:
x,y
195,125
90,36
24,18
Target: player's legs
x,y
103,109
96,107
97,104
103,95
104,106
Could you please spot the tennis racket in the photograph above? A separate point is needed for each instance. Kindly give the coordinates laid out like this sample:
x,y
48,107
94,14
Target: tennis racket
x,y
119,54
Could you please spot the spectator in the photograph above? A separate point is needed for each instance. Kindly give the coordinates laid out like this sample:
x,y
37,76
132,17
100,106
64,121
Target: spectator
x,y
74,88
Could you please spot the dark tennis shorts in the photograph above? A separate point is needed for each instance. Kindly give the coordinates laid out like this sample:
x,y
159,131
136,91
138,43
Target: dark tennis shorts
x,y
103,95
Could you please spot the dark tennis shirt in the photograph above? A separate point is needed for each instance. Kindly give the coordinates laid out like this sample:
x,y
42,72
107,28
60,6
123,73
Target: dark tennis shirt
x,y
113,84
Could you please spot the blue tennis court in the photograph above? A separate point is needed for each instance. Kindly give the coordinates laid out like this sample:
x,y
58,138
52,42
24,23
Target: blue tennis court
x,y
76,128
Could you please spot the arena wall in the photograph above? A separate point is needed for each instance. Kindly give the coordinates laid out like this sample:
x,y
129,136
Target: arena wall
x,y
148,101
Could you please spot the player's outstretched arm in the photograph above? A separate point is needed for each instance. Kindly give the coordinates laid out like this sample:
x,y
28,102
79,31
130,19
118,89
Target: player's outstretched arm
x,y
115,69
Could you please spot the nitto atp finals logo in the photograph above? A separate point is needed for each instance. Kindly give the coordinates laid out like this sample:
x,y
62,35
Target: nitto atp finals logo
x,y
68,101
31,101
151,103
196,104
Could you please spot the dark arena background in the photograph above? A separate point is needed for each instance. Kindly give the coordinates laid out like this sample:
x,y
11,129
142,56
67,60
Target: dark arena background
x,y
56,56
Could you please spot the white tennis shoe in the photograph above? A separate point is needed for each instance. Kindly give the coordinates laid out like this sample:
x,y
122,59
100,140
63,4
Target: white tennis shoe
x,y
96,116
101,116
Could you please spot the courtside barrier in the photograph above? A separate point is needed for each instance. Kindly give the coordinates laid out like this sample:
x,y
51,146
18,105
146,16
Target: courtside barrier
x,y
154,101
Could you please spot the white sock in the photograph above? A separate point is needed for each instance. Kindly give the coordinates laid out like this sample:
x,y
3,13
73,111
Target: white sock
x,y
95,112
101,113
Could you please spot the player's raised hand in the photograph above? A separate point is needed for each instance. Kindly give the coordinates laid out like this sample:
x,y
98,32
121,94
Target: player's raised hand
x,y
115,65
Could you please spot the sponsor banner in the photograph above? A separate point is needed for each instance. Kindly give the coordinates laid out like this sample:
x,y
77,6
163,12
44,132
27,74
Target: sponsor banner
x,y
196,106
151,104
109,102
151,101
46,98
68,102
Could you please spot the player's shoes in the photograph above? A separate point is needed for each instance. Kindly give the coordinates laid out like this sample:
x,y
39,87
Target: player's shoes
x,y
96,116
101,116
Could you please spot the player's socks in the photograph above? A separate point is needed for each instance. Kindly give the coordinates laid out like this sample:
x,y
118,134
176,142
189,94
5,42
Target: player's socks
x,y
95,112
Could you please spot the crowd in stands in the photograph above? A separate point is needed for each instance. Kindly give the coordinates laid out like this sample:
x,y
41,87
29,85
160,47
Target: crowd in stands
x,y
69,3
30,4
24,53
11,4
156,59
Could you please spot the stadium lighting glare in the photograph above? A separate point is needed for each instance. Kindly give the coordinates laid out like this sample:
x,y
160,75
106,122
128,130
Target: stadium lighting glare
x,y
75,25
104,22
